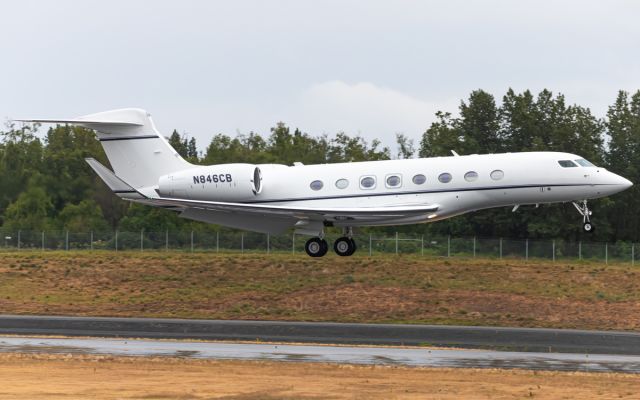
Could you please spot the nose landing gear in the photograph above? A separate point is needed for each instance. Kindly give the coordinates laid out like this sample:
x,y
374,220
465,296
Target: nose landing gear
x,y
583,209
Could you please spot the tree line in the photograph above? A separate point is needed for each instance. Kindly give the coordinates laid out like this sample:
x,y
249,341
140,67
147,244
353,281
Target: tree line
x,y
45,183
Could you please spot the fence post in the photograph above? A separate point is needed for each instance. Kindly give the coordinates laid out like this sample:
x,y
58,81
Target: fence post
x,y
474,247
370,244
91,245
449,246
606,253
268,243
241,242
18,239
501,248
141,239
217,241
633,254
166,240
116,240
42,240
66,241
192,241
293,243
553,249
526,249
422,245
396,242
580,250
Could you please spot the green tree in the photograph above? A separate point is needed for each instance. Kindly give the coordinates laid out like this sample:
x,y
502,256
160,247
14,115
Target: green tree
x,y
82,217
192,150
66,175
405,146
20,159
344,148
150,219
623,158
519,121
31,210
441,137
479,124
179,144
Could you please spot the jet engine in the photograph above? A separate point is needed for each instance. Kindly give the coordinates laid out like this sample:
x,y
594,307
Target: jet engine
x,y
224,182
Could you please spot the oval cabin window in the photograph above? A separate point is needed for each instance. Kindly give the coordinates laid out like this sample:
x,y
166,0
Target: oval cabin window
x,y
393,181
497,174
342,183
471,176
419,179
368,182
316,185
445,177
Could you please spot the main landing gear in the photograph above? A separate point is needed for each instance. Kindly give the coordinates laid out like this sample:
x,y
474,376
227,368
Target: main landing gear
x,y
316,247
343,246
583,209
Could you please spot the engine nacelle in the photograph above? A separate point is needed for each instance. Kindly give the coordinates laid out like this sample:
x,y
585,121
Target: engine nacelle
x,y
224,182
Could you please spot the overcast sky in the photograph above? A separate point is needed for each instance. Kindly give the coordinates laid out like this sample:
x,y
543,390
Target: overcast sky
x,y
371,67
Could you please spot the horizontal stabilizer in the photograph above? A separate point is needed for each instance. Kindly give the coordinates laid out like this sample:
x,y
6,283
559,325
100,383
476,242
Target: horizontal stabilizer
x,y
117,185
83,122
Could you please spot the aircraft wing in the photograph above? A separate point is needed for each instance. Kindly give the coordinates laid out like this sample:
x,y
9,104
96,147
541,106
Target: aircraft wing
x,y
314,213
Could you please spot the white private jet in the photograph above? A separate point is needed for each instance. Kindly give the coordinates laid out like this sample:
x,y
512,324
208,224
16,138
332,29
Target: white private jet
x,y
272,198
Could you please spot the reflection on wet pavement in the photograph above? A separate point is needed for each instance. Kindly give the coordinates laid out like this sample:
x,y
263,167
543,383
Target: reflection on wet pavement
x,y
332,354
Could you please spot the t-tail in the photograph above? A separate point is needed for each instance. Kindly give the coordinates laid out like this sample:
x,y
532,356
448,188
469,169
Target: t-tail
x,y
138,153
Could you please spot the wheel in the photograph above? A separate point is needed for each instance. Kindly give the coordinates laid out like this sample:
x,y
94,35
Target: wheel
x,y
344,246
325,246
316,247
353,246
588,227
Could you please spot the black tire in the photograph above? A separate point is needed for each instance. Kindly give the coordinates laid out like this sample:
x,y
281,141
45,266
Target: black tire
x,y
316,247
353,246
344,246
325,246
588,227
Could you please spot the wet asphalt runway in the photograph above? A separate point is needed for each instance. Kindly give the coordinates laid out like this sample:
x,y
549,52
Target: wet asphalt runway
x,y
505,339
413,357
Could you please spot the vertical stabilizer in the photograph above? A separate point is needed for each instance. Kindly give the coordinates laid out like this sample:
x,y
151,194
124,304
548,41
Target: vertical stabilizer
x,y
137,152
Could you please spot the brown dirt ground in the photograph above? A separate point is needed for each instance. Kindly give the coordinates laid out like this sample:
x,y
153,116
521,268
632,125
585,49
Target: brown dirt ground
x,y
28,376
406,289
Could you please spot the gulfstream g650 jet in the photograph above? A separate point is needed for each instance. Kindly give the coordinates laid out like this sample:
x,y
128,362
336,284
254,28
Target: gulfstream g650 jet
x,y
272,198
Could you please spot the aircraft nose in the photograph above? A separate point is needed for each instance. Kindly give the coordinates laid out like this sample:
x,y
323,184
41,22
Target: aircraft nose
x,y
622,183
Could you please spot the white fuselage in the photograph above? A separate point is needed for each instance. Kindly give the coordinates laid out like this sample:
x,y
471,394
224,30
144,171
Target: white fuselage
x,y
527,178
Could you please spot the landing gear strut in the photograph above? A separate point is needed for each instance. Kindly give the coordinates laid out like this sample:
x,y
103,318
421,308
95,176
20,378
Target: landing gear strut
x,y
583,209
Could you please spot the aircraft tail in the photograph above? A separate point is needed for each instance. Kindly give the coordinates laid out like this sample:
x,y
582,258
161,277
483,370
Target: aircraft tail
x,y
137,152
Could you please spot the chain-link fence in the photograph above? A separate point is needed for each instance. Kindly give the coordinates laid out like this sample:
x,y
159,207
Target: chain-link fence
x,y
368,244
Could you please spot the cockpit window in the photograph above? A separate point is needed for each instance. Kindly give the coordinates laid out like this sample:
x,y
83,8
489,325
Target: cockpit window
x,y
567,164
584,163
